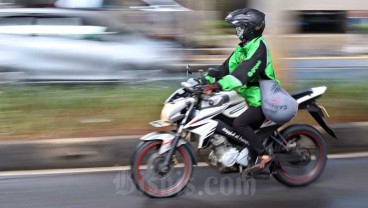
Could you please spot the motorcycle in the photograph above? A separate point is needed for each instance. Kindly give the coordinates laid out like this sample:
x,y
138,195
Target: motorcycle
x,y
162,164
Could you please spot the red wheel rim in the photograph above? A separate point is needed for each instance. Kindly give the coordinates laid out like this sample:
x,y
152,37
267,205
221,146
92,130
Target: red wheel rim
x,y
320,161
150,189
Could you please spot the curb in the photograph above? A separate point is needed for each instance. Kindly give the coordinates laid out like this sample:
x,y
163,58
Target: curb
x,y
117,150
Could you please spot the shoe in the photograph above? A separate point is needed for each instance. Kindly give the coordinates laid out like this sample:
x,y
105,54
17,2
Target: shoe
x,y
261,161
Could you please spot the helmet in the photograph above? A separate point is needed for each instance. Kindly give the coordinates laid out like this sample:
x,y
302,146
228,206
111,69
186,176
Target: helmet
x,y
249,23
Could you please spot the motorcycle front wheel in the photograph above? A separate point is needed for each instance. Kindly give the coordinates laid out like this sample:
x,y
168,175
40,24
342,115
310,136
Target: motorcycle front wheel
x,y
307,142
149,180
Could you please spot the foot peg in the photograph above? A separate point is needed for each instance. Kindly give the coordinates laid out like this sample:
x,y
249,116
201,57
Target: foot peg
x,y
257,173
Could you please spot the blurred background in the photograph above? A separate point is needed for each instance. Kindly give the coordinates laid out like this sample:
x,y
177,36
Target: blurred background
x,y
81,79
104,67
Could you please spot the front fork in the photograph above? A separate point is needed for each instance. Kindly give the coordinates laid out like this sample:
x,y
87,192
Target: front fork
x,y
165,166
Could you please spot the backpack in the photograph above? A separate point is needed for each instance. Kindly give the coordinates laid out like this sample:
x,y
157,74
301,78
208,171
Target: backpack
x,y
277,104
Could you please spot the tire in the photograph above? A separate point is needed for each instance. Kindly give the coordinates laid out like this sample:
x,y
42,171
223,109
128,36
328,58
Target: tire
x,y
148,152
284,169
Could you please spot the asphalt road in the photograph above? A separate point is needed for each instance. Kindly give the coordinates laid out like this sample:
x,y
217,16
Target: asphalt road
x,y
343,184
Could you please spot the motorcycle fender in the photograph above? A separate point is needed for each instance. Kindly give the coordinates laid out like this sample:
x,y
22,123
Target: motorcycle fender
x,y
317,114
167,138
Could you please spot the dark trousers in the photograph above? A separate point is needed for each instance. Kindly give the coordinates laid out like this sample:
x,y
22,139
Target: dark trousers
x,y
246,124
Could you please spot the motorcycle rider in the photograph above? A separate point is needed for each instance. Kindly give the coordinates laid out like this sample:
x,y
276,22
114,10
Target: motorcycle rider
x,y
250,62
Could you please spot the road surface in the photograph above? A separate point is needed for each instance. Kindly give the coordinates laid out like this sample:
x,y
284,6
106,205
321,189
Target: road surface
x,y
343,184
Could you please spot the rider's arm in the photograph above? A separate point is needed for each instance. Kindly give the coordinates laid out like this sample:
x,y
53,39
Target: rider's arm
x,y
246,70
223,68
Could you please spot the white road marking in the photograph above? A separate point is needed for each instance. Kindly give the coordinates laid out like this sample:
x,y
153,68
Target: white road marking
x,y
75,170
348,155
127,168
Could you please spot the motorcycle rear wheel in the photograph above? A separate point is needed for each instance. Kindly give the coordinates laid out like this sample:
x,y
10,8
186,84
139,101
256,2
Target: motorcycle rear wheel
x,y
308,142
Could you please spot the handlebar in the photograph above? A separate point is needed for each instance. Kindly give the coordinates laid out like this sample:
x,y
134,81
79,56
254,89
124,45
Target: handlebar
x,y
193,86
204,97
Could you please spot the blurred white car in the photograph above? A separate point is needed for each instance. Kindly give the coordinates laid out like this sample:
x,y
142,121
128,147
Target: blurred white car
x,y
58,44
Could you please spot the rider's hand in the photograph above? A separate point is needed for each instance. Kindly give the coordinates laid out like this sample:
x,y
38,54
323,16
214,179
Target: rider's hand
x,y
212,87
201,80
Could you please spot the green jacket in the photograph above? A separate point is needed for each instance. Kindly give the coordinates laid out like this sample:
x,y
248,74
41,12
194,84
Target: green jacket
x,y
244,68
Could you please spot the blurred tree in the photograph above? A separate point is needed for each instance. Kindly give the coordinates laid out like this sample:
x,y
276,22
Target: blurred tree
x,y
224,6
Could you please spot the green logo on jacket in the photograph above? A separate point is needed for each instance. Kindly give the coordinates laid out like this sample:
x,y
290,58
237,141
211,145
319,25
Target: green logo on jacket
x,y
255,67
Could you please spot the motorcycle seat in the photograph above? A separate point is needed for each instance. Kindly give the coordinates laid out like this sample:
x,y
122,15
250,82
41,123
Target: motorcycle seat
x,y
301,93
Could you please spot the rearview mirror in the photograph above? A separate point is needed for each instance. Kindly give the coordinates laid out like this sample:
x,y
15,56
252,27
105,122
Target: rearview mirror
x,y
188,70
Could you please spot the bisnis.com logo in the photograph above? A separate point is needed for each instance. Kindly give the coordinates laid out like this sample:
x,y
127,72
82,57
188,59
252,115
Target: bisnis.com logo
x,y
211,185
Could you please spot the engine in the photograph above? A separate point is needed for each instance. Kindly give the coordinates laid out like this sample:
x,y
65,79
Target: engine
x,y
224,153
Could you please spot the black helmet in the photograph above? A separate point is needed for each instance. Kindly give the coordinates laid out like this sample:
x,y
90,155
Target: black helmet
x,y
249,23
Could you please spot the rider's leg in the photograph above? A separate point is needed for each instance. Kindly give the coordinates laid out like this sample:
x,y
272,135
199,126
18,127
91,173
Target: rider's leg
x,y
245,125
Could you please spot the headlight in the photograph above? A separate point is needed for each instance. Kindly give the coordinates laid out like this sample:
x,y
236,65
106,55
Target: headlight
x,y
166,111
172,112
